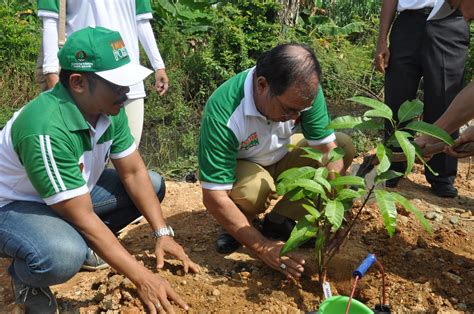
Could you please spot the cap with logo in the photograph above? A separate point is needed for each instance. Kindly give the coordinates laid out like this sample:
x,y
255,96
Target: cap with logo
x,y
102,51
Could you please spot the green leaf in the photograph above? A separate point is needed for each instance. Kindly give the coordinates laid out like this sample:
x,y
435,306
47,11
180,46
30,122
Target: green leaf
x,y
334,212
346,194
390,174
347,180
308,185
322,181
312,211
409,110
409,206
384,162
313,154
387,209
335,154
430,129
302,232
289,176
408,149
370,124
321,172
374,104
296,194
419,154
344,122
167,6
378,114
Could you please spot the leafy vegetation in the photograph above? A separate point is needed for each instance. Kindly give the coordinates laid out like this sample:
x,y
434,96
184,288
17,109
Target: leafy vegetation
x,y
328,200
204,43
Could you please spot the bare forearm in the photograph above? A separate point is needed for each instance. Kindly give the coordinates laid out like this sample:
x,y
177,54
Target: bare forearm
x,y
387,13
459,112
106,245
137,183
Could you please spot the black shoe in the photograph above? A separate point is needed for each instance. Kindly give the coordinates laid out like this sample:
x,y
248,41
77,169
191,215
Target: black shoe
x,y
392,183
226,244
444,190
280,231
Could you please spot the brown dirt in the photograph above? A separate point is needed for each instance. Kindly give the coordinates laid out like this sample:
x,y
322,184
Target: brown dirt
x,y
425,273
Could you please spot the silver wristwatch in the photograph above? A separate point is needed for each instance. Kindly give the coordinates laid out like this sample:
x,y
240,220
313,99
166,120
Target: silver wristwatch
x,y
165,231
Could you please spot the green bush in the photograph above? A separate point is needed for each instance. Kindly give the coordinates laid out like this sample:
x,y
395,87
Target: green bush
x,y
19,46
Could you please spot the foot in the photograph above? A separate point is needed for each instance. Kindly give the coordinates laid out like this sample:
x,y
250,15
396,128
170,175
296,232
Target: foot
x,y
392,183
93,262
226,244
36,300
280,231
444,190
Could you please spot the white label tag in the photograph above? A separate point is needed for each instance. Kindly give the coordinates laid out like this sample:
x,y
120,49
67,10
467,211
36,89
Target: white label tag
x,y
327,290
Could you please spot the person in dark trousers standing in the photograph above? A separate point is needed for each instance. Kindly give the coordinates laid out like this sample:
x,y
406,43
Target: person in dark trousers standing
x,y
429,39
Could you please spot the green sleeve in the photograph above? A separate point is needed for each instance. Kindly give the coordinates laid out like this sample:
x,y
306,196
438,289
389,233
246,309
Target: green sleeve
x,y
217,154
49,5
315,120
50,163
122,138
143,6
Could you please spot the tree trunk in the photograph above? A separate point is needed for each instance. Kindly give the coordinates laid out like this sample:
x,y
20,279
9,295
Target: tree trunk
x,y
289,12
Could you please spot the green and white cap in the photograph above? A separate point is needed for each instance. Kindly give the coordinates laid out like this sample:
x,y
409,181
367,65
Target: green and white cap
x,y
102,51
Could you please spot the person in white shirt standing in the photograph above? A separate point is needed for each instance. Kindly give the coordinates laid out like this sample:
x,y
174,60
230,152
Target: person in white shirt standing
x,y
129,17
428,39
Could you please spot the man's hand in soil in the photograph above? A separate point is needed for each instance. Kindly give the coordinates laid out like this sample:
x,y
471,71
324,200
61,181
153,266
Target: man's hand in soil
x,y
156,293
167,245
290,265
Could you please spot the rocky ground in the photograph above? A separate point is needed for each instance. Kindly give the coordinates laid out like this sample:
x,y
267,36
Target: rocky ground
x,y
424,273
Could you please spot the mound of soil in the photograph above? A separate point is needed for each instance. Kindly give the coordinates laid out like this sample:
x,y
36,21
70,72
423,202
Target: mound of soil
x,y
424,273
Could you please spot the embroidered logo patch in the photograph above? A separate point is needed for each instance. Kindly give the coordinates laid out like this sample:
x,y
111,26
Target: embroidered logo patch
x,y
250,142
118,49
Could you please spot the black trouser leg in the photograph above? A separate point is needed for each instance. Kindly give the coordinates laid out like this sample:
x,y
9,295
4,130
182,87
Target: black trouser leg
x,y
445,50
404,72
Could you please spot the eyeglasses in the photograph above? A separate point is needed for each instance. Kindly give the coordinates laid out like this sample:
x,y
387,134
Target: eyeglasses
x,y
288,111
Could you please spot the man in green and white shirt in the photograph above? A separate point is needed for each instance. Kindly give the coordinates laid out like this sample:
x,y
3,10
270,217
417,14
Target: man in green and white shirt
x,y
131,18
247,125
57,200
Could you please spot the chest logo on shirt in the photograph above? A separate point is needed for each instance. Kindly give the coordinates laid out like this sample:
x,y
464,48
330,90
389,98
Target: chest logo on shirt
x,y
81,167
250,142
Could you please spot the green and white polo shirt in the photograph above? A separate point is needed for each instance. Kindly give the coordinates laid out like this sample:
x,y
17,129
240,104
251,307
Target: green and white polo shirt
x,y
49,153
232,128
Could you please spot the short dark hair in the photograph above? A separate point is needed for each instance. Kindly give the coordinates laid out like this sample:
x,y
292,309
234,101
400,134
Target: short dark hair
x,y
282,67
64,76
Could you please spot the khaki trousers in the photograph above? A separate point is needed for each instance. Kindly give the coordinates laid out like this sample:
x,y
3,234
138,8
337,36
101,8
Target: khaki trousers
x,y
255,186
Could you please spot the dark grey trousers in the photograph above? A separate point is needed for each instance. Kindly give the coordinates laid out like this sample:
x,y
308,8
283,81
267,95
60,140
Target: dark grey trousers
x,y
437,51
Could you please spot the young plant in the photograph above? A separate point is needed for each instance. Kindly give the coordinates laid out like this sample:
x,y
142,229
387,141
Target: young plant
x,y
329,199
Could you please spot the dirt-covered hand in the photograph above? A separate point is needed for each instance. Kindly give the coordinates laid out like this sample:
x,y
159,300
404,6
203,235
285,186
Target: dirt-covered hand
x,y
161,81
156,293
167,245
291,265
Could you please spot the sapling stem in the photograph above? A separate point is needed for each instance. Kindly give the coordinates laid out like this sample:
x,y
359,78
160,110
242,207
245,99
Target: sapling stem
x,y
336,248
